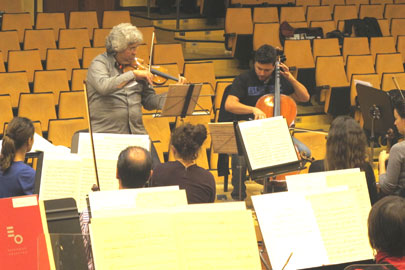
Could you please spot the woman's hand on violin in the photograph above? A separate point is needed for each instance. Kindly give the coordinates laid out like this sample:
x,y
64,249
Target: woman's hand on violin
x,y
258,114
143,75
182,80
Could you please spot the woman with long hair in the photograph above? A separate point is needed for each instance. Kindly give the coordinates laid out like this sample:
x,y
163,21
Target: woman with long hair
x,y
16,177
386,231
199,183
392,178
346,147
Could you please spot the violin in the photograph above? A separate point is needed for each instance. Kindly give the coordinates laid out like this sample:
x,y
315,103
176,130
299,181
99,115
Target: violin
x,y
160,73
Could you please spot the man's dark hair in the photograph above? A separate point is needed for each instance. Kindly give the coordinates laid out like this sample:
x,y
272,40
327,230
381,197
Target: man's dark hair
x,y
134,167
386,226
266,54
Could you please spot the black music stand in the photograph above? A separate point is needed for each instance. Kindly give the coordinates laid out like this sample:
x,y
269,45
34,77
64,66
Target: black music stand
x,y
35,160
377,110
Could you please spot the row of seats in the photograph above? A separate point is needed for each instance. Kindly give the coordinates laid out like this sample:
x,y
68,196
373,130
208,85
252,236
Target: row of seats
x,y
330,3
56,21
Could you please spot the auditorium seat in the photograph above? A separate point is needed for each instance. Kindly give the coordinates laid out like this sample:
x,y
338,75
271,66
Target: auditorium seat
x,y
375,11
53,81
385,27
372,78
89,53
397,27
6,111
2,66
388,62
167,53
84,19
99,36
401,46
238,21
382,45
266,33
112,18
381,2
74,38
72,104
355,46
62,59
219,92
51,20
17,21
318,13
14,83
147,32
299,53
201,72
392,11
327,26
387,83
78,78
265,15
332,3
9,42
292,14
325,47
172,70
41,39
359,64
60,131
344,12
357,3
306,3
28,60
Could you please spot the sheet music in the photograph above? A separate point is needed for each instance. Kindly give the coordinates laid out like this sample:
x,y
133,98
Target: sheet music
x,y
314,182
288,224
108,145
174,239
267,142
223,137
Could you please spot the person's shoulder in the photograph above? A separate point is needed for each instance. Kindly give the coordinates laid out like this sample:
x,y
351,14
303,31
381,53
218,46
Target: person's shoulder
x,y
204,172
398,148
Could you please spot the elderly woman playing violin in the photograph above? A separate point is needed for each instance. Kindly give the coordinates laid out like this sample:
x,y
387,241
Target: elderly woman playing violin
x,y
116,96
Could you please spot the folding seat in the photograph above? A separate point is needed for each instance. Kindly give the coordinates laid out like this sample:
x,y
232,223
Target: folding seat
x,y
357,3
327,26
53,81
381,2
42,40
375,11
74,38
89,54
112,18
9,42
168,53
219,92
385,27
84,19
60,131
6,111
266,33
359,64
17,21
14,83
265,15
372,78
355,46
11,6
387,82
99,36
397,27
55,21
392,11
62,59
78,78
401,46
332,3
345,12
28,60
143,52
147,33
306,3
325,47
159,131
318,13
201,72
238,21
382,45
72,104
292,14
2,67
330,75
388,62
37,107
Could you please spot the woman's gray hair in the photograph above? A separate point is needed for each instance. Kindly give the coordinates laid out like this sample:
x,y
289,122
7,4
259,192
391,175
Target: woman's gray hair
x,y
121,36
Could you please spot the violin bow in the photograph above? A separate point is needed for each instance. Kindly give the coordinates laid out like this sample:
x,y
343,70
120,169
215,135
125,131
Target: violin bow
x,y
151,50
397,86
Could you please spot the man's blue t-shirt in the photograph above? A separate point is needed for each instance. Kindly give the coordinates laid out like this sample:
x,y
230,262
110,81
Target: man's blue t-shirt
x,y
17,180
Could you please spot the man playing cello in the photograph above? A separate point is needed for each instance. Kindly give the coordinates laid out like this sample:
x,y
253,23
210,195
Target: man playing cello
x,y
248,87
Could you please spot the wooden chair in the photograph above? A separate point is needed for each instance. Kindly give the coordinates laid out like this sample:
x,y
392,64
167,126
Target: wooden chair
x,y
6,111
28,60
376,11
55,21
37,107
344,12
74,38
382,45
78,78
381,2
299,53
266,33
325,47
147,32
238,21
159,131
84,19
387,82
318,13
42,40
89,54
167,54
2,67
9,42
11,6
397,27
332,3
265,15
72,104
306,3
357,3
292,14
372,78
18,22
62,59
14,83
60,131
392,11
219,92
388,63
355,46
327,26
53,81
115,17
330,75
201,72
299,24
359,64
401,46
99,35
385,27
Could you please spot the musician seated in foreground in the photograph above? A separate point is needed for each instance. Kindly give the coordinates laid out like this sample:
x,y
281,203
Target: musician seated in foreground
x,y
116,97
134,168
246,90
199,183
386,231
16,177
346,147
392,178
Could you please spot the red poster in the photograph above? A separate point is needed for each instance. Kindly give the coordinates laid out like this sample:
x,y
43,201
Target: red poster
x,y
22,234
